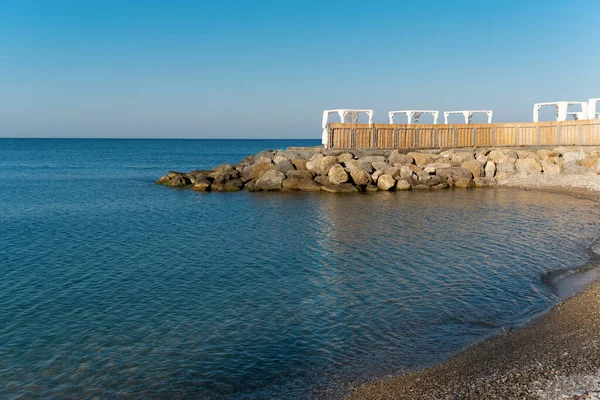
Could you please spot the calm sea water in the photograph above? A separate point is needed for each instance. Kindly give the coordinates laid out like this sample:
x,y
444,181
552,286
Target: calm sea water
x,y
112,286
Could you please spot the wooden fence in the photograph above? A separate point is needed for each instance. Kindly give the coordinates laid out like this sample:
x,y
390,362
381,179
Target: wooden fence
x,y
421,136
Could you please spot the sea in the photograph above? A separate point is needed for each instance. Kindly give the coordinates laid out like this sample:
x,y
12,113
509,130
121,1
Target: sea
x,y
112,286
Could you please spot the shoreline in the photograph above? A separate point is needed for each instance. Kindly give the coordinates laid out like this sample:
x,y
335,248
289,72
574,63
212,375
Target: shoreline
x,y
553,356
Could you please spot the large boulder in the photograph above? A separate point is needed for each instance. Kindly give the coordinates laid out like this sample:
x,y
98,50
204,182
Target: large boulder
x,y
429,180
455,173
386,182
337,174
381,166
462,156
496,155
476,168
490,169
403,184
303,184
271,180
420,158
342,158
201,184
359,176
398,158
255,171
321,164
355,164
284,166
528,166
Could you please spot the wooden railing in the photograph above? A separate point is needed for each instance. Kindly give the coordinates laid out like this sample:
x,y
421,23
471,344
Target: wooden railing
x,y
421,136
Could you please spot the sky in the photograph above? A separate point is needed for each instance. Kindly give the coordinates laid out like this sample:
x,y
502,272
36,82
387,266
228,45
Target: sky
x,y
267,69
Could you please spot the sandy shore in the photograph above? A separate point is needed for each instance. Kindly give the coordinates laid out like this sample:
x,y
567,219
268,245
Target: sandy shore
x,y
554,357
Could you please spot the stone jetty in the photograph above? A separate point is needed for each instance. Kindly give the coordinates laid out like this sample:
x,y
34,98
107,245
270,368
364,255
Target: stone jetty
x,y
370,170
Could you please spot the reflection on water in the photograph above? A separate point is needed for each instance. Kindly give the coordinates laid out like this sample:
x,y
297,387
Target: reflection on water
x,y
117,288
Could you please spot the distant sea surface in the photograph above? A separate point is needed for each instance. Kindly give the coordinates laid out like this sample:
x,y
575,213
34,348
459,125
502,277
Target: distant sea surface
x,y
114,287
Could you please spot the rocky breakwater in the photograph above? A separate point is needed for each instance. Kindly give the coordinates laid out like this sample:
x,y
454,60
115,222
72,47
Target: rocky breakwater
x,y
372,170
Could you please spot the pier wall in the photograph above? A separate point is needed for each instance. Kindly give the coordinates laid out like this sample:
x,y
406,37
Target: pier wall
x,y
423,136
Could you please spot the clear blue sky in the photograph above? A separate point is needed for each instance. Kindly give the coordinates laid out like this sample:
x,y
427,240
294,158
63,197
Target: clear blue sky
x,y
257,68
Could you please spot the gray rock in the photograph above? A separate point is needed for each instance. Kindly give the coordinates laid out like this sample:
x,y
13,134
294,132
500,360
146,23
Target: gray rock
x,y
284,166
341,188
227,186
271,180
300,174
454,172
337,174
302,184
322,180
381,166
386,182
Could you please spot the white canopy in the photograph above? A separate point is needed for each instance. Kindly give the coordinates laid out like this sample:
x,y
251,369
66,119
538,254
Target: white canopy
x,y
416,114
561,110
468,114
592,109
347,116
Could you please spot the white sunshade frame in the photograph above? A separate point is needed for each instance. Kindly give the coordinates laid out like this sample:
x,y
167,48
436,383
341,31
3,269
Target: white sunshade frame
x,y
468,114
416,114
347,116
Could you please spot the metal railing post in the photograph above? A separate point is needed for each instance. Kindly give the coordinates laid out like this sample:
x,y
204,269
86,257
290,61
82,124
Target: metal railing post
x,y
375,140
396,137
474,137
352,138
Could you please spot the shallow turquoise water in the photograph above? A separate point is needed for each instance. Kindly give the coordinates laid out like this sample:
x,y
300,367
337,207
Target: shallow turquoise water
x,y
113,286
